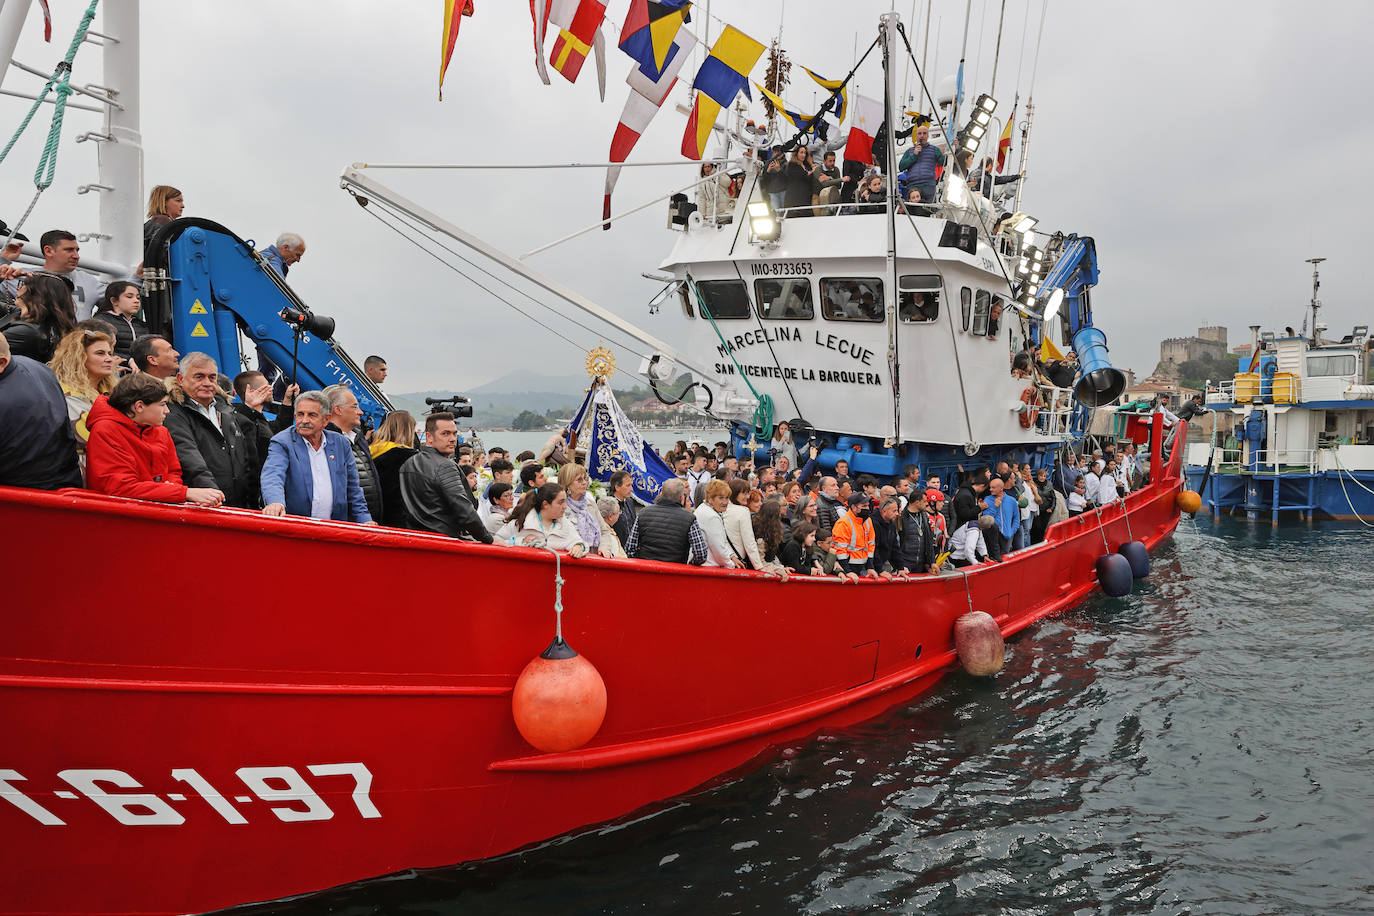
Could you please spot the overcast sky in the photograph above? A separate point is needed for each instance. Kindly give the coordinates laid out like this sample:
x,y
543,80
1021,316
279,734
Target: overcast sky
x,y
1209,148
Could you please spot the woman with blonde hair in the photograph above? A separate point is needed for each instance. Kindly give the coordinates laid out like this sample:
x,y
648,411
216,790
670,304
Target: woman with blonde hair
x,y
582,511
84,364
393,444
165,204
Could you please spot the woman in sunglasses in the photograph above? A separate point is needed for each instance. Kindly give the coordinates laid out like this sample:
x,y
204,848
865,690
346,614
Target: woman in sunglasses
x,y
45,314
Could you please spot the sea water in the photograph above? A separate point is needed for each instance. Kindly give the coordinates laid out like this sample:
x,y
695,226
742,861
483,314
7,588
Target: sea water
x,y
1205,745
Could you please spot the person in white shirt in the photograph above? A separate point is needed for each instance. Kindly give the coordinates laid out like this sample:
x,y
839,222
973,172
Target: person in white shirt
x,y
967,545
1106,486
61,254
711,519
697,474
1093,481
1078,499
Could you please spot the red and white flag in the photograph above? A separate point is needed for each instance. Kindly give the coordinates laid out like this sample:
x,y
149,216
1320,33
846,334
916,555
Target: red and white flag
x,y
47,20
863,127
579,25
646,95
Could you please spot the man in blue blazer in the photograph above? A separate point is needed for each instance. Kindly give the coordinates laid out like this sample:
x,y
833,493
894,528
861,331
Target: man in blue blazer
x,y
310,471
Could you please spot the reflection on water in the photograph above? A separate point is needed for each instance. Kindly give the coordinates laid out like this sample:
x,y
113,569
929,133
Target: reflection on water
x,y
1204,745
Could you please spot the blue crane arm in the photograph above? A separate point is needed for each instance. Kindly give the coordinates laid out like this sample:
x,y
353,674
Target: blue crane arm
x,y
1075,272
217,285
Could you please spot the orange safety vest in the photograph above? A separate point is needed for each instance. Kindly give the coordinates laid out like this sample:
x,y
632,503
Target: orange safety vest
x,y
853,542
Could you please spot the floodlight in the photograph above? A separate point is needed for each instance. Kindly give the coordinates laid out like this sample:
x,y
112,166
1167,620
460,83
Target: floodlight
x,y
1361,330
762,223
970,144
980,116
976,130
1030,289
1023,223
1052,307
986,103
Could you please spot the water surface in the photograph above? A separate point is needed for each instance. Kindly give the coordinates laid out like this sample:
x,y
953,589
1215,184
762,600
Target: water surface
x,y
1205,745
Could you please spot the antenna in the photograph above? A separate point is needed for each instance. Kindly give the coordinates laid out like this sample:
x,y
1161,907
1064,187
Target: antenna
x,y
1316,285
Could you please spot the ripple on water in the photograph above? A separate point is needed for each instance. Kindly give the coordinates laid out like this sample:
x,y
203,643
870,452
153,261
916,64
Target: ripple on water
x,y
1203,745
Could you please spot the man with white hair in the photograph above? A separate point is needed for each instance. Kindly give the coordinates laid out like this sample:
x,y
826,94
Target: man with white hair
x,y
289,249
216,449
346,417
310,471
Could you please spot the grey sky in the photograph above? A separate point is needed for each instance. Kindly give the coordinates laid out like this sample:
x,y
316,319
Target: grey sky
x,y
1208,147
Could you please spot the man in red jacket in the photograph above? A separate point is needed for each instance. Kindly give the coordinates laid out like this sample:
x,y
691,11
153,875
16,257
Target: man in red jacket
x,y
130,453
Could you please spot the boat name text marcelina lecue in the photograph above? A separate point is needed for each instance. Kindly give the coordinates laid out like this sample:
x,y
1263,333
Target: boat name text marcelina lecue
x,y
282,784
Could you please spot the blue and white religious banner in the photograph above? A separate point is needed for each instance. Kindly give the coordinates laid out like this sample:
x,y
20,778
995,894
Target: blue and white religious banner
x,y
613,443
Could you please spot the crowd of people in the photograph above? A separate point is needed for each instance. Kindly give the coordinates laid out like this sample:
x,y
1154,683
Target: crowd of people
x,y
796,184
91,397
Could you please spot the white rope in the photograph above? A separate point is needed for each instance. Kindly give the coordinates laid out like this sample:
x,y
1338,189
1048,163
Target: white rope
x,y
1348,502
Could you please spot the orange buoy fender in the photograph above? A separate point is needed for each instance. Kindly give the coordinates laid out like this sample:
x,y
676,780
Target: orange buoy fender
x,y
559,700
978,641
1031,398
1189,501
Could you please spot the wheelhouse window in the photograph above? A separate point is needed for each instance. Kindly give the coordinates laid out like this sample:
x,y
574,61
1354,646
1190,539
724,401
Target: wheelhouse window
x,y
1340,364
724,298
784,299
982,306
852,298
966,304
919,298
995,317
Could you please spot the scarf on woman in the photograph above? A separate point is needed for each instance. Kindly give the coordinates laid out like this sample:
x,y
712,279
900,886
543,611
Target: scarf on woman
x,y
584,517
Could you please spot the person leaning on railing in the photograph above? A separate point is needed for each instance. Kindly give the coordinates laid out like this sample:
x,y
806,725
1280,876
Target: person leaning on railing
x,y
130,452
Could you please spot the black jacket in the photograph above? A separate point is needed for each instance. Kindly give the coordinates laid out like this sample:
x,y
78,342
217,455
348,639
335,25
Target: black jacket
x,y
917,551
629,511
367,472
27,338
388,465
663,532
1191,409
966,506
795,557
37,445
828,511
886,546
436,497
125,330
226,458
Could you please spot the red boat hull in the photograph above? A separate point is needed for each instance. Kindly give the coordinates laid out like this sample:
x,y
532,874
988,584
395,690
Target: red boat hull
x,y
247,708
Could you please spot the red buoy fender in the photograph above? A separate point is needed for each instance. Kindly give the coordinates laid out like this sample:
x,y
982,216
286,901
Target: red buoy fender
x,y
978,642
559,700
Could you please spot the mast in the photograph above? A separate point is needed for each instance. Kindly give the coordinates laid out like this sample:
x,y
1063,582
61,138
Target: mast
x,y
121,156
12,15
1316,285
1030,104
997,54
963,53
889,22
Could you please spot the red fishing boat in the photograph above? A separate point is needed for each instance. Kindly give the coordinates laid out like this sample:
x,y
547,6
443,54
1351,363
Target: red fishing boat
x,y
178,740
233,708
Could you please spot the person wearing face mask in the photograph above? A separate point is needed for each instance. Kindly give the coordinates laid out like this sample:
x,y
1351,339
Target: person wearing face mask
x,y
854,539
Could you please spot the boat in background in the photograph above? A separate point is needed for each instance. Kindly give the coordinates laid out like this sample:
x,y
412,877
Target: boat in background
x,y
1302,436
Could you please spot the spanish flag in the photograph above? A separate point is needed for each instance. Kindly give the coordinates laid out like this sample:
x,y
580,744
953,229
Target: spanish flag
x,y
1004,145
719,80
454,11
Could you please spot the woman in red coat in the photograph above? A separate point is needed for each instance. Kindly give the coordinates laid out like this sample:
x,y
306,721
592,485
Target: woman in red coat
x,y
129,453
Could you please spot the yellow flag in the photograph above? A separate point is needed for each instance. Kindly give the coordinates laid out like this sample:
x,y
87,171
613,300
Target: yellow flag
x,y
1048,350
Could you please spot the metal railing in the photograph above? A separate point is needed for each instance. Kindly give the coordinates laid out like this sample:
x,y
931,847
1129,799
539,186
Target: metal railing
x,y
1056,414
1275,461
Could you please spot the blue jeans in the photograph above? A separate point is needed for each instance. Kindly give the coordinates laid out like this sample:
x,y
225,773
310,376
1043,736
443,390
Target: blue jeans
x,y
1019,539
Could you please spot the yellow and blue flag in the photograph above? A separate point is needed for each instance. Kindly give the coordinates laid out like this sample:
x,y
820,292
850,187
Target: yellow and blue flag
x,y
842,107
804,123
719,80
649,30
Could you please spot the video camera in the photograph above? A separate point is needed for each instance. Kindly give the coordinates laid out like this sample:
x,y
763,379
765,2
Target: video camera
x,y
457,405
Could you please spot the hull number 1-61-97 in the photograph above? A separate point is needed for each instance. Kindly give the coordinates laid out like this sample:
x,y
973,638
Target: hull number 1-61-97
x,y
289,795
